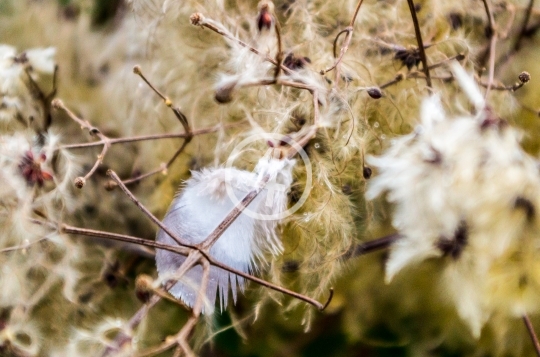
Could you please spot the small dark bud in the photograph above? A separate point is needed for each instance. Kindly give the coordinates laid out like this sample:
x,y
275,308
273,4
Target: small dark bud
x,y
347,189
196,19
290,266
375,93
79,182
30,168
417,7
21,58
527,206
294,63
366,172
454,247
409,57
111,280
224,94
455,20
143,288
110,185
265,20
524,77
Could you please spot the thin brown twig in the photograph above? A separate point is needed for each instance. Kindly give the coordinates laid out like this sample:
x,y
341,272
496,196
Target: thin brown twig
x,y
132,139
279,55
163,169
209,241
373,245
187,329
522,34
179,115
420,42
198,19
176,110
416,74
122,338
58,104
523,29
349,30
532,334
492,44
501,87
45,99
21,246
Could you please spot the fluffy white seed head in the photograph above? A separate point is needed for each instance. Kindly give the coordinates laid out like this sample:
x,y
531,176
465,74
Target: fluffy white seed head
x,y
464,190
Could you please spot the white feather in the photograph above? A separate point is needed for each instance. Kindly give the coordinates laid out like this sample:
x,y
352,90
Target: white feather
x,y
203,205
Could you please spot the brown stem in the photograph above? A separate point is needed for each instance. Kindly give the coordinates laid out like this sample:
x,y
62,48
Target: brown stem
x,y
122,338
373,245
149,214
215,26
179,115
400,76
492,44
349,30
161,169
522,34
532,334
420,42
44,99
279,55
151,137
233,215
105,141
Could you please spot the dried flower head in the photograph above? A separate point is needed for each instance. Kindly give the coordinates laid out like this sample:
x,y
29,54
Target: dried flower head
x,y
464,189
31,169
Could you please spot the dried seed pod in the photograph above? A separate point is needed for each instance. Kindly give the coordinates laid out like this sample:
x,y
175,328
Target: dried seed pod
x,y
224,93
265,19
79,182
375,93
524,77
366,172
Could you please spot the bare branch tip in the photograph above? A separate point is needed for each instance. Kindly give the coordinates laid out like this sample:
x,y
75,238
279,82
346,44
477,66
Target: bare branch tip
x,y
329,300
57,104
137,69
197,19
79,182
524,77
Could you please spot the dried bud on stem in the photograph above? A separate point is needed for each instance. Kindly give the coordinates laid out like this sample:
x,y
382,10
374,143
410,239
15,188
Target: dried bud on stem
x,y
143,288
524,77
79,182
375,93
197,19
224,93
265,19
